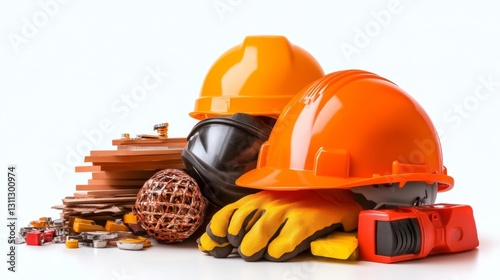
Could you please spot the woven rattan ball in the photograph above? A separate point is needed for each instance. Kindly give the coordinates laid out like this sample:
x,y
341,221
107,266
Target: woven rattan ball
x,y
170,206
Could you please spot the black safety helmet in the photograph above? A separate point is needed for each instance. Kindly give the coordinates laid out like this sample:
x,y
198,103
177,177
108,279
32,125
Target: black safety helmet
x,y
221,149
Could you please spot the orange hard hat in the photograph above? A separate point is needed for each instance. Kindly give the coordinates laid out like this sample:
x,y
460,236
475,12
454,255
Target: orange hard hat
x,y
258,77
348,129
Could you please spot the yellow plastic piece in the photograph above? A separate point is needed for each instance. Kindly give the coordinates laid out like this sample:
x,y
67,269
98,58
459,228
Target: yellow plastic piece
x,y
41,223
126,243
113,226
83,225
138,239
147,242
129,218
132,240
71,243
38,224
338,245
83,221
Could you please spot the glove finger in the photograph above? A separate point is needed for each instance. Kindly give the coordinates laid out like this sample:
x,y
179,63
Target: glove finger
x,y
254,243
206,243
289,243
200,246
218,239
217,227
241,222
248,214
219,224
214,249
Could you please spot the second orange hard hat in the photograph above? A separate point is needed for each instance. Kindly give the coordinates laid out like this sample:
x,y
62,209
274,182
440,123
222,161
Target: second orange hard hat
x,y
348,129
257,77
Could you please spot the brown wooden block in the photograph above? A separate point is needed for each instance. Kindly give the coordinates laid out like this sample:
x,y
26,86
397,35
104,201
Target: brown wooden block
x,y
139,164
116,182
124,175
144,152
107,200
150,142
87,168
142,166
108,193
130,158
103,187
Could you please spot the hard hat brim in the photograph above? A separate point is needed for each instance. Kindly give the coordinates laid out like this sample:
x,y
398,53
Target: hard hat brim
x,y
207,107
268,178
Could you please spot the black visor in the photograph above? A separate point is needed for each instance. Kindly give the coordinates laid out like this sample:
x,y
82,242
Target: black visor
x,y
220,150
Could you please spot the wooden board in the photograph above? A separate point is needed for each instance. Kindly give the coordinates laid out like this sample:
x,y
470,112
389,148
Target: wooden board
x,y
113,200
145,152
127,167
117,182
142,166
108,193
124,175
97,160
150,142
87,168
104,187
139,164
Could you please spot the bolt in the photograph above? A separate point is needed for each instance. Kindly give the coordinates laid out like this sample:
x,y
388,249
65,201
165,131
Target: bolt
x,y
162,129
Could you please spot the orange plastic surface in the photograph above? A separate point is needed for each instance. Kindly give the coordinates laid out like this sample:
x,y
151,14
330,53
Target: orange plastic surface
x,y
349,128
113,226
257,77
84,225
129,218
71,243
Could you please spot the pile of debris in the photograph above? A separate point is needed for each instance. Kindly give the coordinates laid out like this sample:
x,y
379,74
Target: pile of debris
x,y
118,175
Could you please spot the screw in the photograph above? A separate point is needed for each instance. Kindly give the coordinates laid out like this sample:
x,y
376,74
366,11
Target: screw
x,y
162,129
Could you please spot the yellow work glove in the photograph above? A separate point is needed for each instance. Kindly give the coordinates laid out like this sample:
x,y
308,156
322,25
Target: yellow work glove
x,y
278,225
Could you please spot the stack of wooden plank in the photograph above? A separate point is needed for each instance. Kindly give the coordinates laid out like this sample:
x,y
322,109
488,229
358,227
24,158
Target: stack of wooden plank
x,y
118,175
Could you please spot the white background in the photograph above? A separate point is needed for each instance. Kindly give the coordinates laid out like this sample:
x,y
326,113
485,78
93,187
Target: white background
x,y
65,68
